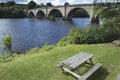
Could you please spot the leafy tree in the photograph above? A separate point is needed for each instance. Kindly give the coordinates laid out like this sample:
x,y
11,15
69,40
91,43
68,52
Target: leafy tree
x,y
2,4
12,12
49,4
39,6
66,3
10,3
42,5
31,5
7,43
107,9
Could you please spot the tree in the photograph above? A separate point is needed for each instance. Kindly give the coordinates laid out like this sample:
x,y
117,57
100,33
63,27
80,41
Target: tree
x,y
109,11
49,4
107,8
42,5
31,5
66,3
2,4
10,3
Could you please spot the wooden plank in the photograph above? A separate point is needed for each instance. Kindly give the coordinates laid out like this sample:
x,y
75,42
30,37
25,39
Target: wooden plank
x,y
80,61
90,72
66,61
60,65
76,60
82,57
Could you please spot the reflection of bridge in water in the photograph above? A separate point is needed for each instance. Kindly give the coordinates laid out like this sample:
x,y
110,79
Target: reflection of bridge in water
x,y
64,11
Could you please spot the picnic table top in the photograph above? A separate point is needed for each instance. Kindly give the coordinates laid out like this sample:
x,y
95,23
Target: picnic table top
x,y
77,60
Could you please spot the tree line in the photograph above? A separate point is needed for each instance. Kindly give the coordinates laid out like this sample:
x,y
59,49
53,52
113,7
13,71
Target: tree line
x,y
32,4
12,10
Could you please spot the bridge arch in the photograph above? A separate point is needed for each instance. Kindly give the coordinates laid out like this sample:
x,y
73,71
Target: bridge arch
x,y
40,14
31,14
55,12
87,9
78,12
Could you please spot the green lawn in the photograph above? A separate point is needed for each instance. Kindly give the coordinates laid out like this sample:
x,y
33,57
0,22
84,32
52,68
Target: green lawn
x,y
42,66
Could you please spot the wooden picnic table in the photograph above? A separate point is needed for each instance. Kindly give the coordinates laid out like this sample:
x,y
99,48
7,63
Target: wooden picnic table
x,y
74,63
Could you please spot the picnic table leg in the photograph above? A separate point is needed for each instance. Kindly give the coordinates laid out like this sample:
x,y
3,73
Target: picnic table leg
x,y
72,73
62,69
78,70
91,62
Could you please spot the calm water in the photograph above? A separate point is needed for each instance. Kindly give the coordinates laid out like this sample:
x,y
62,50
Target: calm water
x,y
29,33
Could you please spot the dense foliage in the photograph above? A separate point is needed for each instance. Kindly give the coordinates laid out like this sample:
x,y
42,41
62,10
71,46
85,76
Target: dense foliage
x,y
40,5
49,4
31,4
91,35
107,10
66,4
7,43
8,3
12,10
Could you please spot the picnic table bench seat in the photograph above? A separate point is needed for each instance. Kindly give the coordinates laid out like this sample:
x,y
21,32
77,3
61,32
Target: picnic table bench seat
x,y
75,62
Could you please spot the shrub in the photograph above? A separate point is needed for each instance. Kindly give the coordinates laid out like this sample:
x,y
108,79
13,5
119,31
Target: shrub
x,y
77,36
64,41
7,43
95,34
4,59
34,50
47,47
112,29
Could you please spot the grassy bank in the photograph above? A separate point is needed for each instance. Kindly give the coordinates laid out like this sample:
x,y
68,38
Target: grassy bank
x,y
42,65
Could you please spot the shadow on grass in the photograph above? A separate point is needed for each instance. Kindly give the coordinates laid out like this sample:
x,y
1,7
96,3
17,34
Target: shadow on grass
x,y
100,74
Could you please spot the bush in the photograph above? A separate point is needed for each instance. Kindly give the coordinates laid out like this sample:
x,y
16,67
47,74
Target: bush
x,y
64,41
4,59
7,43
112,29
94,34
47,47
34,50
77,36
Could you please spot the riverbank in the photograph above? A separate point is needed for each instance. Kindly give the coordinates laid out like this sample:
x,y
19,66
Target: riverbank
x,y
41,65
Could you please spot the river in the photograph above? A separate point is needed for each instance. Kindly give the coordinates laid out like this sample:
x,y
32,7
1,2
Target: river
x,y
29,33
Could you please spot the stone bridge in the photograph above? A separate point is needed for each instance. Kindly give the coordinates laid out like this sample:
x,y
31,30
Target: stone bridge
x,y
63,10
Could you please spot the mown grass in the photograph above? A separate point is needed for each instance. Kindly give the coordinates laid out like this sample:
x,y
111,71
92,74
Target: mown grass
x,y
42,65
